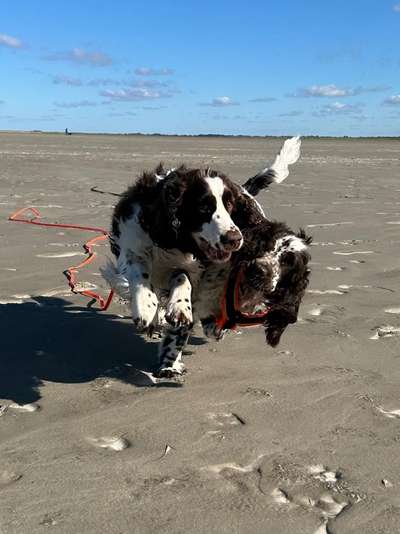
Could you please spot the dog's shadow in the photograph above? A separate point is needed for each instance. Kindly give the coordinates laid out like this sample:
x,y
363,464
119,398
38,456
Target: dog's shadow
x,y
53,340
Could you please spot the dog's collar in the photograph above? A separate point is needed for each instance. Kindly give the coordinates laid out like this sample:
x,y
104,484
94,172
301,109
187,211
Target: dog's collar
x,y
230,315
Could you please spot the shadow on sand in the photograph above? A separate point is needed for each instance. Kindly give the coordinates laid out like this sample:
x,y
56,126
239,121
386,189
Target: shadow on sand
x,y
51,341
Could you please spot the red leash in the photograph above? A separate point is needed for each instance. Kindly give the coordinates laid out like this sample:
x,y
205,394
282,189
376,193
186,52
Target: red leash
x,y
71,272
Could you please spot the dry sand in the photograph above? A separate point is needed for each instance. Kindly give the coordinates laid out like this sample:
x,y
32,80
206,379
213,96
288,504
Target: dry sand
x,y
299,439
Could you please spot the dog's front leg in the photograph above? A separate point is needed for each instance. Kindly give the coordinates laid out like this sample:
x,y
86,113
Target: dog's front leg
x,y
143,300
179,305
170,351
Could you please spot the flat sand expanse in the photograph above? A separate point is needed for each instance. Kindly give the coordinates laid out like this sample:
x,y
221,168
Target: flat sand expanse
x,y
299,439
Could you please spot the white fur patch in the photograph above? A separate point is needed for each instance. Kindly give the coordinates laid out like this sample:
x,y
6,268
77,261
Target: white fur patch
x,y
289,243
221,221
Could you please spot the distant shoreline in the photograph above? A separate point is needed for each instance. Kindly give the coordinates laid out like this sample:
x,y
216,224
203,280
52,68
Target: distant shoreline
x,y
211,135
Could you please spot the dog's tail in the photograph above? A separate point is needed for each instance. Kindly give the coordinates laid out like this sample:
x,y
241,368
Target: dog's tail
x,y
279,170
118,282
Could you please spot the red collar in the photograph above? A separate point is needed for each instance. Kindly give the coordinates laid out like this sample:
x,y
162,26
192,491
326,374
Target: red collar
x,y
230,315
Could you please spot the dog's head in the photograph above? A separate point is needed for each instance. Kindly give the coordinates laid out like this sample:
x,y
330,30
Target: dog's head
x,y
198,206
275,275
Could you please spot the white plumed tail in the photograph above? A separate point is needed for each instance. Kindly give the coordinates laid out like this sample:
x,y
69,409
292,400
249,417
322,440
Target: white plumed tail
x,y
289,154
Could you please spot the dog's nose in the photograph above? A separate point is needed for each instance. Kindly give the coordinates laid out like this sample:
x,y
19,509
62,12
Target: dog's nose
x,y
232,239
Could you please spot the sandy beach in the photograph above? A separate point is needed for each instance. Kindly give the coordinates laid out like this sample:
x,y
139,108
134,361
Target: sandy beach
x,y
301,439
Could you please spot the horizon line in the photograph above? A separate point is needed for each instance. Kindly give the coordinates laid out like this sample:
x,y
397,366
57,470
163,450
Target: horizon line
x,y
157,134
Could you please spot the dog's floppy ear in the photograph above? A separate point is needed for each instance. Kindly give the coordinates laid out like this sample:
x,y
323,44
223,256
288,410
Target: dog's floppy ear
x,y
288,295
173,189
277,320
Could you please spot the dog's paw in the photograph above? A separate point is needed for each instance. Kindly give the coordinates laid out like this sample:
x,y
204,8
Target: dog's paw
x,y
212,331
176,370
179,313
144,306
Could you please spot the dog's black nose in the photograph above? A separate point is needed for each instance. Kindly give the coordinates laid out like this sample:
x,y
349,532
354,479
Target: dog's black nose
x,y
232,239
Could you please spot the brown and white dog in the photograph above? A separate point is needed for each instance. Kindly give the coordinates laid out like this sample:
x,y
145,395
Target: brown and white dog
x,y
169,224
263,283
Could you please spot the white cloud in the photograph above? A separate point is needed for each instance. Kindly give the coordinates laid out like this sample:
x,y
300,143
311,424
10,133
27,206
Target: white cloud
x,y
333,91
393,100
10,42
135,94
79,55
339,108
79,104
330,90
103,81
147,71
66,80
293,113
396,8
220,101
263,99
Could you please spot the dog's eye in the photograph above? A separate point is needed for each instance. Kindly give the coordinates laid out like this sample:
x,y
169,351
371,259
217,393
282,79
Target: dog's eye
x,y
227,199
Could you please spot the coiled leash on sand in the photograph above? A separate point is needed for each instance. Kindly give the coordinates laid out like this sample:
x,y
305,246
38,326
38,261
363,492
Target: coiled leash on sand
x,y
71,272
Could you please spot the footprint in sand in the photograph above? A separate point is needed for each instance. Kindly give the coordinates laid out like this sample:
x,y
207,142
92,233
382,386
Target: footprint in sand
x,y
391,414
218,469
392,310
112,443
386,331
227,419
315,312
9,477
315,499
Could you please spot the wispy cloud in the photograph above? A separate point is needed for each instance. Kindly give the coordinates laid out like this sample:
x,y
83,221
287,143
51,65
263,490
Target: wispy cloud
x,y
393,100
333,91
219,116
262,99
220,102
293,113
103,82
123,114
373,89
147,71
78,104
135,94
330,90
10,42
81,56
396,8
339,108
66,80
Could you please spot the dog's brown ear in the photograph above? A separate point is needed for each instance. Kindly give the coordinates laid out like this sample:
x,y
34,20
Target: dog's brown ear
x,y
172,199
277,320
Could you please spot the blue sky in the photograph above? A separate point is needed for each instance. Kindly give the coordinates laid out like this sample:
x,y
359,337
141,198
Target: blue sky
x,y
276,67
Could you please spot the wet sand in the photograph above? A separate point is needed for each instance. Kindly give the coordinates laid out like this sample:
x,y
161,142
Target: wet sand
x,y
303,438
